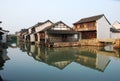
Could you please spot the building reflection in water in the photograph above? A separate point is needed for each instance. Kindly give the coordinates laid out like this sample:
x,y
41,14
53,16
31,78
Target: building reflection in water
x,y
1,78
96,58
3,58
90,57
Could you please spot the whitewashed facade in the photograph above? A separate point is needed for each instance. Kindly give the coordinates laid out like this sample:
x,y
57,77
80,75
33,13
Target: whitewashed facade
x,y
93,27
60,32
32,38
42,26
27,34
38,29
29,30
115,35
115,32
103,28
116,25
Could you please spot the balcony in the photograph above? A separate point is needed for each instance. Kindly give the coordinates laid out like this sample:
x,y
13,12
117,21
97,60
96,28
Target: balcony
x,y
85,29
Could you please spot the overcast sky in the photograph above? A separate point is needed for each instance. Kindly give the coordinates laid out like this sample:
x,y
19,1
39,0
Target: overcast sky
x,y
19,14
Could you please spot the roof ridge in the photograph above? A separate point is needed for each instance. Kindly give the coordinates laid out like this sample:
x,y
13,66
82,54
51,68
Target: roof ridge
x,y
89,19
56,24
93,16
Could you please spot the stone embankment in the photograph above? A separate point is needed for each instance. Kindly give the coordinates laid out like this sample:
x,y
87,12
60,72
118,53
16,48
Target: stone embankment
x,y
117,43
91,42
85,42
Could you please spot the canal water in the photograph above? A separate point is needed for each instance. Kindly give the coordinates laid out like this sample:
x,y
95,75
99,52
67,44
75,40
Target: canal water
x,y
25,62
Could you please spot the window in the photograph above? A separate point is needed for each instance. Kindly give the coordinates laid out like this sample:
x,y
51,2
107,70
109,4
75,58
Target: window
x,y
81,25
91,24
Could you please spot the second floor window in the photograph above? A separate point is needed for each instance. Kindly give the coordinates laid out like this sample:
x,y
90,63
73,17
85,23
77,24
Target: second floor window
x,y
81,25
91,24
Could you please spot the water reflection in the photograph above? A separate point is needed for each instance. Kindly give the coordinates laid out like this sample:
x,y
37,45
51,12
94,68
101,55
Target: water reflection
x,y
96,58
1,78
3,58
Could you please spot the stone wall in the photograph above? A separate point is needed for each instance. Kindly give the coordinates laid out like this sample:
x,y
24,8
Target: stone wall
x,y
85,42
117,43
66,44
90,42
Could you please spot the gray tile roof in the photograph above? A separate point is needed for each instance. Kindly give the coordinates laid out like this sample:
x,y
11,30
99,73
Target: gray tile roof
x,y
112,29
40,23
48,29
89,19
54,25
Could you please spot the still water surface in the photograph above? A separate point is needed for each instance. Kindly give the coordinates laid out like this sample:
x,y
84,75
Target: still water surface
x,y
34,63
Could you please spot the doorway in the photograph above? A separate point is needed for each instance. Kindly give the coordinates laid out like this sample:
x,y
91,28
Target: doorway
x,y
64,38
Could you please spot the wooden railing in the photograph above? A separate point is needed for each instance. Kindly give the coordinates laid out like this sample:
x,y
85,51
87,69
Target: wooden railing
x,y
86,29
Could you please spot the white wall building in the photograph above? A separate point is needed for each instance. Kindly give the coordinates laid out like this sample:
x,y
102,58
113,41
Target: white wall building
x,y
116,25
43,25
103,28
93,27
39,27
115,30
